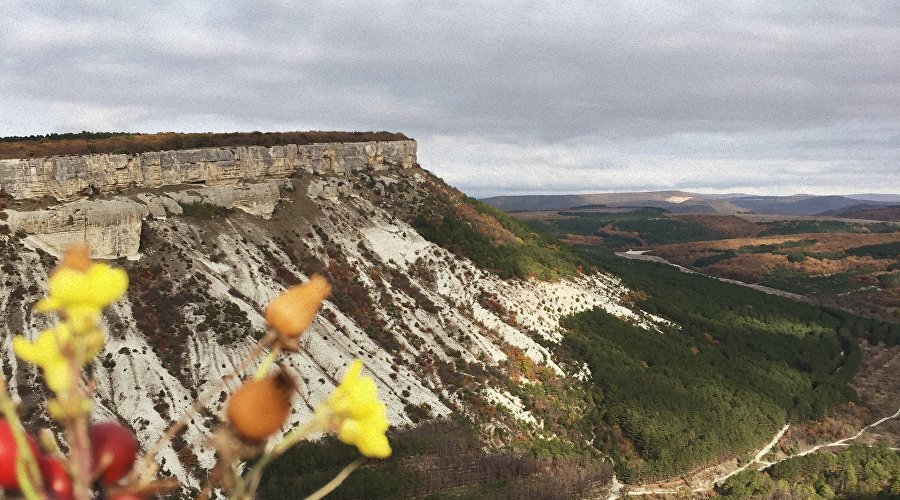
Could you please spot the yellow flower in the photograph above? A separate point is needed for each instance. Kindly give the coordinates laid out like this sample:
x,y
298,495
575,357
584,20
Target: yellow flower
x,y
49,351
82,294
358,415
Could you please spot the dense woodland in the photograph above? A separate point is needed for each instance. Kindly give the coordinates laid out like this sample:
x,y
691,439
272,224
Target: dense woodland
x,y
130,143
738,365
824,226
437,460
858,472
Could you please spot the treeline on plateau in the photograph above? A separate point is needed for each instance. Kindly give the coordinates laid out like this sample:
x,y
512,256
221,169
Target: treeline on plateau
x,y
721,381
132,143
857,472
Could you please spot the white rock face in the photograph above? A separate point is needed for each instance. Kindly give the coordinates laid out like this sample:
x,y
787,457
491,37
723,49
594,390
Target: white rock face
x,y
428,300
257,199
112,228
330,188
68,177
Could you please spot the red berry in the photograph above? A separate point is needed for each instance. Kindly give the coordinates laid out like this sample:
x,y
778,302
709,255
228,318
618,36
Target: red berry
x,y
114,451
56,479
9,452
126,496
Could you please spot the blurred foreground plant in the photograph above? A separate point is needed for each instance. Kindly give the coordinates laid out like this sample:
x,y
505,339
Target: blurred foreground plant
x,y
101,457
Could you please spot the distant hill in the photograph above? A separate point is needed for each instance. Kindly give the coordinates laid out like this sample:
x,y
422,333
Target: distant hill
x,y
793,205
868,212
682,202
672,201
883,198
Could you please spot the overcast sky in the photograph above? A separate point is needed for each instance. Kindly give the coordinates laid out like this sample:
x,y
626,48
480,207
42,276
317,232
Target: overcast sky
x,y
506,97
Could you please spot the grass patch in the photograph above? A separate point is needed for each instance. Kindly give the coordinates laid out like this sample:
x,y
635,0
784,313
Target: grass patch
x,y
532,255
201,210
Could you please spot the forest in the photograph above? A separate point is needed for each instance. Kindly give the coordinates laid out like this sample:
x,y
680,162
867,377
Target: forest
x,y
857,472
738,365
436,460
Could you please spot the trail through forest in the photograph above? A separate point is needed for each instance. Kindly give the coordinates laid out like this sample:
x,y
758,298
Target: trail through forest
x,y
640,255
620,490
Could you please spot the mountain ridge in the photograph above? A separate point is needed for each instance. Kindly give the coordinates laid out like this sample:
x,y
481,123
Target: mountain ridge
x,y
684,202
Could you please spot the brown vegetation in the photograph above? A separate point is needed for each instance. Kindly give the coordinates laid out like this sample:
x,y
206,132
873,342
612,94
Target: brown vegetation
x,y
807,254
824,242
730,225
878,387
451,460
884,213
87,143
486,225
748,267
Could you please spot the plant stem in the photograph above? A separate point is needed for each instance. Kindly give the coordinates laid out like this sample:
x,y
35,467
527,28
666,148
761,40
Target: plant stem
x,y
334,483
264,366
76,428
80,456
147,466
293,437
27,471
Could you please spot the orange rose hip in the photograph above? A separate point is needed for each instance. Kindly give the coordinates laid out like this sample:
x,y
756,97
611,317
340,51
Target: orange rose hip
x,y
291,313
259,407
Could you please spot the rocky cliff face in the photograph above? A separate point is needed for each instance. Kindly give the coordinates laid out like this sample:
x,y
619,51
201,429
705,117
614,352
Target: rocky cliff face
x,y
68,177
423,319
246,178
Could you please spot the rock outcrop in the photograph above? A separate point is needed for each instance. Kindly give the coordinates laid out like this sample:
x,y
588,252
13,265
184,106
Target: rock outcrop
x,y
112,228
245,178
69,177
257,199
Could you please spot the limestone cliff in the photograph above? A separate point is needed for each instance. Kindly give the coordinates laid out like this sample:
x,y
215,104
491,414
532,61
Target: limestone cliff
x,y
245,178
438,334
68,177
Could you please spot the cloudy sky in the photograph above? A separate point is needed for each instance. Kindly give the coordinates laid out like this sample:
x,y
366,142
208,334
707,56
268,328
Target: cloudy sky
x,y
506,97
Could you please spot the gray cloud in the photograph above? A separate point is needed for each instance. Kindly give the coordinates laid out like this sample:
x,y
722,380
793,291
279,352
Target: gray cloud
x,y
514,96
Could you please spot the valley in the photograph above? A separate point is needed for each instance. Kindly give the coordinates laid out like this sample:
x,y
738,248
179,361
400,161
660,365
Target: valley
x,y
513,358
851,264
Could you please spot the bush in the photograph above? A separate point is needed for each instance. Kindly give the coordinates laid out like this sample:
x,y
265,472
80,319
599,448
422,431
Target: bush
x,y
204,210
889,280
796,257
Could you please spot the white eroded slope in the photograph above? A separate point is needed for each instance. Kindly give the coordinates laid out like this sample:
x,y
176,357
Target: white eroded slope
x,y
436,318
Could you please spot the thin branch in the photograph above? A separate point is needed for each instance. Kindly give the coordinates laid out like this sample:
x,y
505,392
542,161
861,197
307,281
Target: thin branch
x,y
148,467
334,483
